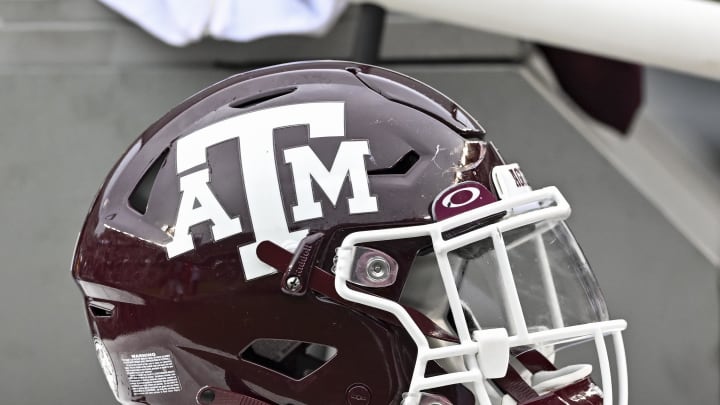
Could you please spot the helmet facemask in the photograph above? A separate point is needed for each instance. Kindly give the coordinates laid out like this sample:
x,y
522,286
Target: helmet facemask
x,y
515,290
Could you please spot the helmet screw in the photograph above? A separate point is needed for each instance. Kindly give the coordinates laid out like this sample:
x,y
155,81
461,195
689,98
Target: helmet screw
x,y
292,283
378,268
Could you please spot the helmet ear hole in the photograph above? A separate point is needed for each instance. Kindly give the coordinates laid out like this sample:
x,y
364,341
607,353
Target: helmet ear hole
x,y
291,358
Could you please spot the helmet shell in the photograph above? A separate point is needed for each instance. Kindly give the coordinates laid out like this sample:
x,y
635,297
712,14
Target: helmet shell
x,y
199,307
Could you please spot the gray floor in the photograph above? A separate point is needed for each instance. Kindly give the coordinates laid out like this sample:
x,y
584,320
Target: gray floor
x,y
64,125
687,106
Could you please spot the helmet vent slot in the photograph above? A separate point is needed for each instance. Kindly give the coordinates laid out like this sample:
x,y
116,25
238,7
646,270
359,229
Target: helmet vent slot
x,y
101,309
291,358
140,196
402,166
262,97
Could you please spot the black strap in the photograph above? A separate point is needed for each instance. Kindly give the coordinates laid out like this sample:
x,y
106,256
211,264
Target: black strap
x,y
535,361
512,384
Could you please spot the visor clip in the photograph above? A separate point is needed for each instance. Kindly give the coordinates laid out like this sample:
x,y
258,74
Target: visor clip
x,y
373,268
493,351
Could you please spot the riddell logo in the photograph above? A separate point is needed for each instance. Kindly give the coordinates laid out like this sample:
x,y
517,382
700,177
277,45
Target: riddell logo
x,y
254,132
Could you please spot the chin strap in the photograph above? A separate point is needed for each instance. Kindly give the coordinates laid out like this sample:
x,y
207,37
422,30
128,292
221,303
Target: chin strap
x,y
514,385
323,283
576,390
217,396
534,361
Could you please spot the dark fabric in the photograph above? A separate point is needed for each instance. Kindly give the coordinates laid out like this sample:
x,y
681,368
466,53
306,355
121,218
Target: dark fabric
x,y
513,385
534,361
608,90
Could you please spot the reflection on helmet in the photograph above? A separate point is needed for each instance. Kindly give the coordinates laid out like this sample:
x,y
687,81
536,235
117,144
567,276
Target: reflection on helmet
x,y
337,233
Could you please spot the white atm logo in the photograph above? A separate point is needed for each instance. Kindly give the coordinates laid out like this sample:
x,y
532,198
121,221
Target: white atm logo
x,y
254,132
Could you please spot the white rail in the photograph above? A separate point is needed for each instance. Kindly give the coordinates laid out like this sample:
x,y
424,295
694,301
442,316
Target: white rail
x,y
675,34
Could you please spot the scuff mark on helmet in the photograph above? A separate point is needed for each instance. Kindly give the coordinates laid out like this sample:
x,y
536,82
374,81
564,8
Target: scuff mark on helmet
x,y
473,155
437,151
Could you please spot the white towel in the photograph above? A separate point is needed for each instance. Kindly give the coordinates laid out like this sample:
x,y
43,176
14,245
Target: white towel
x,y
181,22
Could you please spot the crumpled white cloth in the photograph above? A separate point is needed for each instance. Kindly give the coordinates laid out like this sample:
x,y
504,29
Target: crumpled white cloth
x,y
181,22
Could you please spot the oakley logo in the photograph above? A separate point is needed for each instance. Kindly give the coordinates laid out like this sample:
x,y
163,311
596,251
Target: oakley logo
x,y
460,198
254,132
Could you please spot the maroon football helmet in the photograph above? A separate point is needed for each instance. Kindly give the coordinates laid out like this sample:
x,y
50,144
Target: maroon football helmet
x,y
329,233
